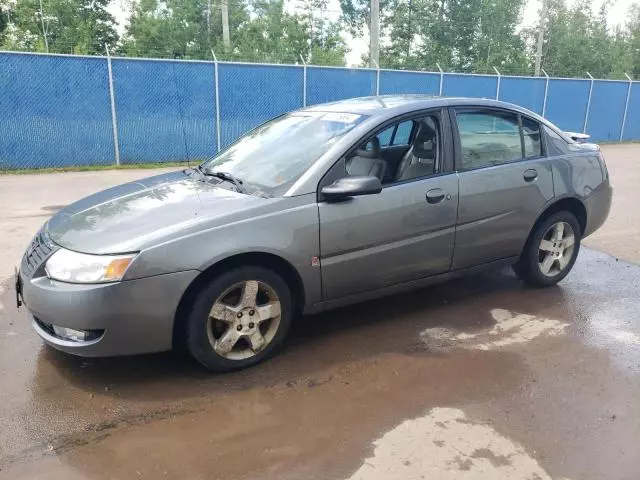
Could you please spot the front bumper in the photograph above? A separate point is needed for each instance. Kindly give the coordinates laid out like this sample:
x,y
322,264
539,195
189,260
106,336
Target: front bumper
x,y
133,316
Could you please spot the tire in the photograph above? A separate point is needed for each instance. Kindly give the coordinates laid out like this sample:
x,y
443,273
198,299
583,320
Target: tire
x,y
535,257
225,338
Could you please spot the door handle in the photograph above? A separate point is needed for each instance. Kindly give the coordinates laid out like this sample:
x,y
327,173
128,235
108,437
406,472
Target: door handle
x,y
435,195
530,175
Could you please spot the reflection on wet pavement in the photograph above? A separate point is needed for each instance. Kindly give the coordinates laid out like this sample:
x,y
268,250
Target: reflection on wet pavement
x,y
445,444
526,382
509,328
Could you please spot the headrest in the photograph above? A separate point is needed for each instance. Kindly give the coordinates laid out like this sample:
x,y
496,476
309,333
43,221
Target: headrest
x,y
373,152
425,142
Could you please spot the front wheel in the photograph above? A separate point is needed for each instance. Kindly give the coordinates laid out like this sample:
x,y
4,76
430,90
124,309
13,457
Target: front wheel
x,y
239,319
551,250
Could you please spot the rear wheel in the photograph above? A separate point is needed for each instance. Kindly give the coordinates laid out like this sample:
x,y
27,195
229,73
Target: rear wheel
x,y
551,250
239,319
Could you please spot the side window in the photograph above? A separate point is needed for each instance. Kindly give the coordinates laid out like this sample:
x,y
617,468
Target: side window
x,y
488,138
531,137
397,134
385,136
420,156
403,133
423,156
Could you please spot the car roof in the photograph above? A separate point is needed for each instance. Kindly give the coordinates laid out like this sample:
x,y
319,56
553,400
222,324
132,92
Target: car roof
x,y
389,105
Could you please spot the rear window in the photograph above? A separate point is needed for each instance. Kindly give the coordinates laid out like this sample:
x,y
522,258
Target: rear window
x,y
488,138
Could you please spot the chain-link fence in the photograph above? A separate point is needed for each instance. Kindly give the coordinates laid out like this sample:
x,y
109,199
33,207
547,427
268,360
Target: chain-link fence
x,y
64,110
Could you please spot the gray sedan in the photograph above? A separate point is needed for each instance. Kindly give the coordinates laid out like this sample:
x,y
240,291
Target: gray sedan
x,y
318,208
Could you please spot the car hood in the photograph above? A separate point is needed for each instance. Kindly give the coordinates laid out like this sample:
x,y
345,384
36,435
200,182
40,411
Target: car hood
x,y
136,215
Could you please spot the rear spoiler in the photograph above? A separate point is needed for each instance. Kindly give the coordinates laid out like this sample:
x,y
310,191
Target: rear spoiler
x,y
578,137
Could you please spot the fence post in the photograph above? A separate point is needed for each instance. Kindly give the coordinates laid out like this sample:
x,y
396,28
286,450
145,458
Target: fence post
x,y
217,90
304,81
626,106
497,86
586,114
546,89
377,78
114,120
441,78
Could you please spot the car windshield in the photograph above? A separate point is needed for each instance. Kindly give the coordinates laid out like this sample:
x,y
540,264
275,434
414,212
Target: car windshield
x,y
270,158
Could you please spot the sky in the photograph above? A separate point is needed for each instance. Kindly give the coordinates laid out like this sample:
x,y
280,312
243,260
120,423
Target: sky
x,y
617,11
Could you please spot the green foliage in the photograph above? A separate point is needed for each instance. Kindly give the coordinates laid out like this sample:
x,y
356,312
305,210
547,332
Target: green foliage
x,y
260,30
179,28
459,35
271,35
576,41
69,26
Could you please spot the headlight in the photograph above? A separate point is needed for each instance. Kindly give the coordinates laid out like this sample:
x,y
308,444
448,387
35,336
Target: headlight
x,y
68,266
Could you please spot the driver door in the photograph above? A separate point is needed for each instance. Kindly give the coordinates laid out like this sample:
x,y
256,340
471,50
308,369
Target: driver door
x,y
404,233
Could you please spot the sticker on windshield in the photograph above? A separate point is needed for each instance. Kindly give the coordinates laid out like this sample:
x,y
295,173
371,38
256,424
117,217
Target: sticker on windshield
x,y
341,117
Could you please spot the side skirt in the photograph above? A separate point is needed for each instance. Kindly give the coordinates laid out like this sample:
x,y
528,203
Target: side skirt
x,y
402,287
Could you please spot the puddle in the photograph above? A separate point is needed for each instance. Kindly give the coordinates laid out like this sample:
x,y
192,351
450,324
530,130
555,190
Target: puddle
x,y
613,324
445,445
510,328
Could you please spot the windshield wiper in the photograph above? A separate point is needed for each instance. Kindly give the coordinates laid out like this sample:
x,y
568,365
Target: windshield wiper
x,y
225,176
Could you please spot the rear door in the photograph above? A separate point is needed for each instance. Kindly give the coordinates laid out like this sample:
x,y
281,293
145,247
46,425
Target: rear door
x,y
505,181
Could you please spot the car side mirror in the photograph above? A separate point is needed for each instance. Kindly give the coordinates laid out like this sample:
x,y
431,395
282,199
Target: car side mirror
x,y
348,187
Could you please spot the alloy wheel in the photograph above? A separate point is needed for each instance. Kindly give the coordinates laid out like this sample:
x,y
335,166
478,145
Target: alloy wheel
x,y
243,320
556,249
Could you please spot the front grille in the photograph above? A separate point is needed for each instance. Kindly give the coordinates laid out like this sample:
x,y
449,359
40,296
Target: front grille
x,y
39,250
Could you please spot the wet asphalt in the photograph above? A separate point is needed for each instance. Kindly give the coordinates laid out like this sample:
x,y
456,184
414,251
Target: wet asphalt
x,y
477,378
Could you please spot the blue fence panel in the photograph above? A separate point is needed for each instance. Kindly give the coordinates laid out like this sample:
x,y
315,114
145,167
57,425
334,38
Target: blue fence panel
x,y
165,110
54,111
632,125
526,92
567,103
253,94
409,82
477,86
606,110
330,84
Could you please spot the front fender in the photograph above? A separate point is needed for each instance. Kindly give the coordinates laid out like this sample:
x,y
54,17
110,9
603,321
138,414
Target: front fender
x,y
291,233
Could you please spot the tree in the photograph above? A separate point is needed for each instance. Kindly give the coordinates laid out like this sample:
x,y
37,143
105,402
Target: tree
x,y
324,37
401,34
578,41
621,54
355,14
61,26
459,35
272,35
275,35
179,28
5,9
260,30
632,40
